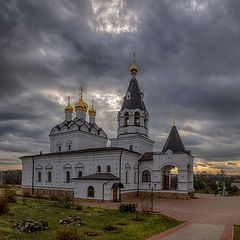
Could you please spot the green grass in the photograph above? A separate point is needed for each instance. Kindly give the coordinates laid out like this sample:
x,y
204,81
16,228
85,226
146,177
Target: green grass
x,y
236,232
95,220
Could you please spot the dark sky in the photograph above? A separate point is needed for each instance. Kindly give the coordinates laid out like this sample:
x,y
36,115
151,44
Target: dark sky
x,y
187,52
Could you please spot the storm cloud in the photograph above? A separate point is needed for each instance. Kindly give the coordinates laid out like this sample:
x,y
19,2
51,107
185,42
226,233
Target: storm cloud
x,y
188,57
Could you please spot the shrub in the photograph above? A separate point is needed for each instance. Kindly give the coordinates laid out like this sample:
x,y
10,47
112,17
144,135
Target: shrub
x,y
129,207
38,195
98,210
55,197
79,207
3,205
26,194
68,234
72,220
31,226
110,227
91,234
10,195
65,201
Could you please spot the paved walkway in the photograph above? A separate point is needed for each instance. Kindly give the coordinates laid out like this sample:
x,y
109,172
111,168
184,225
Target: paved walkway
x,y
196,231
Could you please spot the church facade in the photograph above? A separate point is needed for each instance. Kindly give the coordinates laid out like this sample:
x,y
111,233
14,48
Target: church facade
x,y
81,163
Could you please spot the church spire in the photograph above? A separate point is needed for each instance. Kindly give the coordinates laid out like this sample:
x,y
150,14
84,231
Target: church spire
x,y
174,142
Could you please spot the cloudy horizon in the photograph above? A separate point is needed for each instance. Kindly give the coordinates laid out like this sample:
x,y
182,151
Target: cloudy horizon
x,y
187,53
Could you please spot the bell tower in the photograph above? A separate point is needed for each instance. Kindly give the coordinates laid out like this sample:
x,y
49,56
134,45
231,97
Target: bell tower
x,y
133,118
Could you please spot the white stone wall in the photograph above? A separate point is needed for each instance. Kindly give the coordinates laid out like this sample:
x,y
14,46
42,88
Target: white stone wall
x,y
78,140
59,164
139,143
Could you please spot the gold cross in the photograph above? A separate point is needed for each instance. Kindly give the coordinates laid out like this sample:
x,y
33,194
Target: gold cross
x,y
68,100
80,93
134,56
92,103
174,121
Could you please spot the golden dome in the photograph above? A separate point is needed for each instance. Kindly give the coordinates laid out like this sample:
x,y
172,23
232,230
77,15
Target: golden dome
x,y
92,110
134,68
81,104
68,108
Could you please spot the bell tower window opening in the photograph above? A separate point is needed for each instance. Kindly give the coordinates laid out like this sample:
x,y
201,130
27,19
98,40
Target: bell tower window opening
x,y
136,119
131,147
126,119
99,169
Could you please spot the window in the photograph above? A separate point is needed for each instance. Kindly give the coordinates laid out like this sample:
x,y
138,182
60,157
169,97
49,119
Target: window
x,y
146,176
69,147
49,176
98,168
126,180
135,177
145,123
108,168
39,176
131,147
79,174
126,115
90,191
59,148
67,177
137,119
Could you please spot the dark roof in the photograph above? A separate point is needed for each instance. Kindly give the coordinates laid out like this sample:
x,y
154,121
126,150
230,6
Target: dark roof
x,y
174,142
99,176
83,151
147,156
136,97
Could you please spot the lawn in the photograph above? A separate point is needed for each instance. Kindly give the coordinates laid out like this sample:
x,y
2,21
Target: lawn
x,y
236,232
95,219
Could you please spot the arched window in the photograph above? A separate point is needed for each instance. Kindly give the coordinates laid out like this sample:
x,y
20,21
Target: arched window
x,y
49,176
69,147
59,148
135,177
137,119
131,147
108,168
126,119
126,180
90,191
79,174
39,176
145,123
146,176
67,177
98,168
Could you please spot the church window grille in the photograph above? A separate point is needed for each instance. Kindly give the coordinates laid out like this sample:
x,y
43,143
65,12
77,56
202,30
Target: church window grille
x,y
136,119
39,176
146,176
127,177
108,168
79,174
98,168
131,147
126,119
49,176
68,177
90,191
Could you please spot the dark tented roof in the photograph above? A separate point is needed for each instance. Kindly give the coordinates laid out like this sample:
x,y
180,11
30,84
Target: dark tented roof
x,y
100,176
174,142
135,100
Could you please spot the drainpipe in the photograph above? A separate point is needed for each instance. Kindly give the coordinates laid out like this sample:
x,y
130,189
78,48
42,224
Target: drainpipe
x,y
103,189
32,176
120,173
138,179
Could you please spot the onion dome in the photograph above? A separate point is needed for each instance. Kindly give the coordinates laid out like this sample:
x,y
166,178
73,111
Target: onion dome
x,y
68,108
134,69
81,104
92,110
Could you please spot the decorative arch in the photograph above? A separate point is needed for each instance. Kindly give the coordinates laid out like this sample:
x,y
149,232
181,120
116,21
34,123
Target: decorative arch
x,y
67,166
64,129
54,131
127,166
84,128
39,167
79,165
94,131
168,164
74,127
49,166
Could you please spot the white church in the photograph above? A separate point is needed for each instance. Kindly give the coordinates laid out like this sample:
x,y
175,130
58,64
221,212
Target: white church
x,y
82,164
